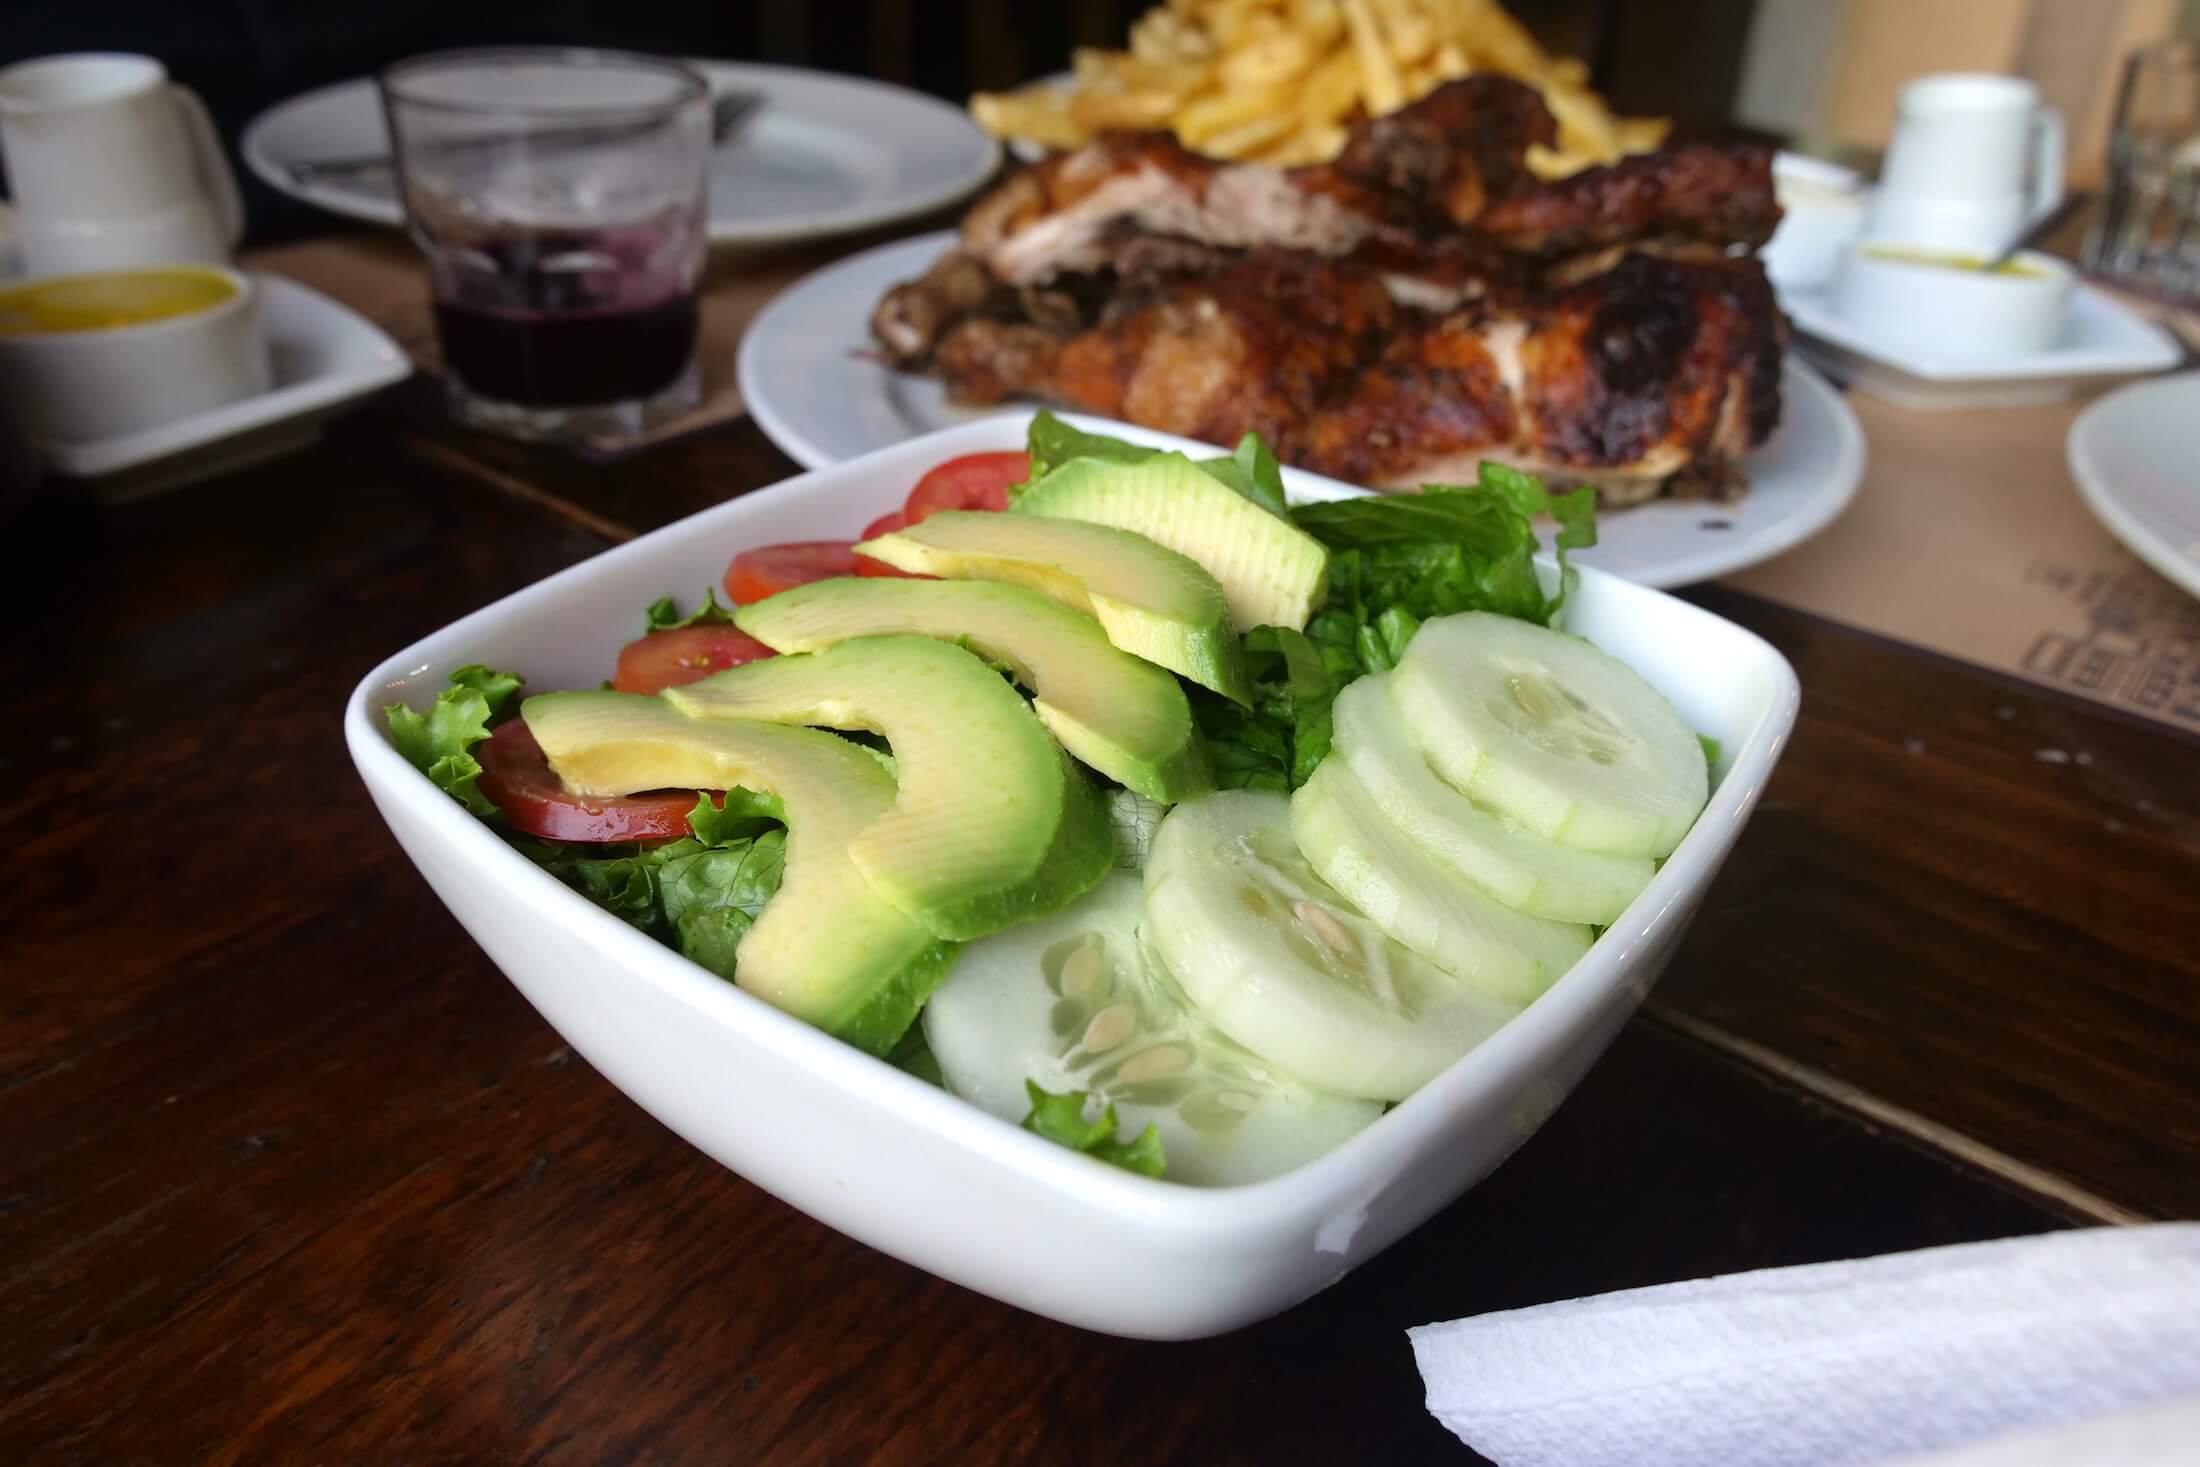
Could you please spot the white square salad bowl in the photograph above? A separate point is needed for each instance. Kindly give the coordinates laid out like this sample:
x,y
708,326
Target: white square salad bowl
x,y
910,1169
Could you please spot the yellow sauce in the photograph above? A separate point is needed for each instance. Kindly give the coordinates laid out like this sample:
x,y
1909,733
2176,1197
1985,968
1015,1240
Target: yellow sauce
x,y
107,302
1976,264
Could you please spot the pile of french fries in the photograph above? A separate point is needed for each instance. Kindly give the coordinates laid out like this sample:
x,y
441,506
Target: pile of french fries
x,y
1280,81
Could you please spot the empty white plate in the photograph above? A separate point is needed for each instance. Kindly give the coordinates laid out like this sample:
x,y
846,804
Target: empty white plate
x,y
824,154
2132,454
325,357
815,385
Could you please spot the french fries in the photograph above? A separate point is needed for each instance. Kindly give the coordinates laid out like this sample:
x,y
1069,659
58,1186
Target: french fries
x,y
1280,81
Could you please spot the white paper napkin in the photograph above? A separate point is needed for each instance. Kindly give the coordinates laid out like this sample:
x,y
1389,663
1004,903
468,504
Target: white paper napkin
x,y
1832,1364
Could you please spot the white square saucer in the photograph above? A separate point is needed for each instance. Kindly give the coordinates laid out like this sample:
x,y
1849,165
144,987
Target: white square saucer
x,y
2104,340
325,357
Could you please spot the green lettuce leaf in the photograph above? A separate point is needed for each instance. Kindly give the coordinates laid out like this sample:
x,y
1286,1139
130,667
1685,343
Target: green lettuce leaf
x,y
711,896
1711,749
700,893
913,1055
1061,1119
1052,443
438,742
1450,548
1133,819
743,815
1252,471
1276,743
663,614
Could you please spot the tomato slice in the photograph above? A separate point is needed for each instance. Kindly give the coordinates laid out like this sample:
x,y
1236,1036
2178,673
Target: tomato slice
x,y
770,569
886,524
517,778
974,481
682,655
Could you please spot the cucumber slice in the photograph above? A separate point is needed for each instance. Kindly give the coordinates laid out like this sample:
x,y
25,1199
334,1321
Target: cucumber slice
x,y
1544,728
1077,1002
1421,902
1521,869
1281,963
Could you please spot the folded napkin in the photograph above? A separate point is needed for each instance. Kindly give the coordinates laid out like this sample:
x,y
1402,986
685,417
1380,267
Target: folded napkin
x,y
2165,1434
1835,1363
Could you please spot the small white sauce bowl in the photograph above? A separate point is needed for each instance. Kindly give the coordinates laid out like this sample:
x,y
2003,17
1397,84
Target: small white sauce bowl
x,y
79,386
1942,303
1821,210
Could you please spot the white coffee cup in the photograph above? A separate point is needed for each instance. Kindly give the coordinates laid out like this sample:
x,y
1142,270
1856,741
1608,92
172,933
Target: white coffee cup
x,y
113,165
1973,161
100,381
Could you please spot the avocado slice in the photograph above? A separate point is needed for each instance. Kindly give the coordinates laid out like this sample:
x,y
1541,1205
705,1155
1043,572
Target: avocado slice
x,y
1120,714
992,824
826,948
1152,602
1272,572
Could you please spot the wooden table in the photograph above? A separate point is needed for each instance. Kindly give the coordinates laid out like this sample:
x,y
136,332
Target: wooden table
x,y
290,1174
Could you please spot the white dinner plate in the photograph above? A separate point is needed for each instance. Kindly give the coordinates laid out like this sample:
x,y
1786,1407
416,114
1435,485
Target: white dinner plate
x,y
809,376
2132,454
824,154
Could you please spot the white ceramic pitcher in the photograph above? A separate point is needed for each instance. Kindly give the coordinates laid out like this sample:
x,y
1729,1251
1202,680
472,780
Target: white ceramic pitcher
x,y
112,165
1973,161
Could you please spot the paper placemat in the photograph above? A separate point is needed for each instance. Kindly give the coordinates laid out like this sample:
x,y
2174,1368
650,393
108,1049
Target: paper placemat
x,y
381,276
1968,537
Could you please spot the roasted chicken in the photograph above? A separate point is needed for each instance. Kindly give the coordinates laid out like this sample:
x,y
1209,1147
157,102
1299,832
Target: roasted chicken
x,y
1391,317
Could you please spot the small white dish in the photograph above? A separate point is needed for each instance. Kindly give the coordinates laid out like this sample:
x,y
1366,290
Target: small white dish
x,y
910,1169
98,382
1821,209
2132,454
323,356
1925,301
816,387
2101,340
823,155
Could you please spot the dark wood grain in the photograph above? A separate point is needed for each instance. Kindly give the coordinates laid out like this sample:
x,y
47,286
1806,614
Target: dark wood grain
x,y
1974,898
291,1174
634,494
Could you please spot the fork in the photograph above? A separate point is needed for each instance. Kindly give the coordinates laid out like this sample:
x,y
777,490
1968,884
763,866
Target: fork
x,y
730,115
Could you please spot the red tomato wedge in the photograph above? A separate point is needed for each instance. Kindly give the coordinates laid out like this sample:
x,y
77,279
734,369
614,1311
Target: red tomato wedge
x,y
518,780
974,481
770,569
666,659
885,524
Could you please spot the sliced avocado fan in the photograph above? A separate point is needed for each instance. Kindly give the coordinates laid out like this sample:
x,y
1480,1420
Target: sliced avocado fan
x,y
1152,602
1272,572
826,948
1122,715
991,823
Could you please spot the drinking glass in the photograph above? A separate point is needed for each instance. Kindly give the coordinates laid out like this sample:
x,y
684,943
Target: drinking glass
x,y
2148,226
558,195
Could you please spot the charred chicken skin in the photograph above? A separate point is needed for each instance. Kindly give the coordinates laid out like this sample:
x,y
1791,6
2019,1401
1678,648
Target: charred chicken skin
x,y
1391,317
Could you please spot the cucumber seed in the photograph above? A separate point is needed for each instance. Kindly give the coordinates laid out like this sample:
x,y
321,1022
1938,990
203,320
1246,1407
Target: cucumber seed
x,y
1323,924
1081,970
1110,1027
1157,1063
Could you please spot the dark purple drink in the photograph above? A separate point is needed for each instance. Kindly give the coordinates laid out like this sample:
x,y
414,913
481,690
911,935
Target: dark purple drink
x,y
538,359
560,197
566,318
